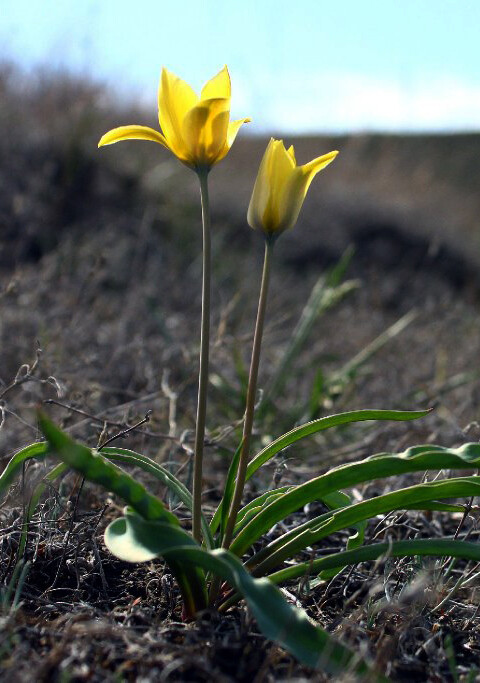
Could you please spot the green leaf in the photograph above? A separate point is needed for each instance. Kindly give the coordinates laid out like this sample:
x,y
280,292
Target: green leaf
x,y
279,621
134,539
444,547
131,538
439,547
14,466
95,468
326,423
146,464
123,455
418,458
334,501
228,492
315,530
254,506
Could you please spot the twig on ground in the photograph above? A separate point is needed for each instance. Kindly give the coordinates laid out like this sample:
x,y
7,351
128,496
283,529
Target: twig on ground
x,y
126,431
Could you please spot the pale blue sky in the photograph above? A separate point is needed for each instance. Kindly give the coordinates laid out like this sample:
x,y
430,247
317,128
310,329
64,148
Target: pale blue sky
x,y
296,65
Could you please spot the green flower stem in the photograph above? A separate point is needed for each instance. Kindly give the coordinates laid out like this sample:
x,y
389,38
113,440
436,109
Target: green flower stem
x,y
204,356
251,395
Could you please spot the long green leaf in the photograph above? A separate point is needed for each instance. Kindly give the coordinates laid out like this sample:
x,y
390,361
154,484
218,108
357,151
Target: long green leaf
x,y
35,450
326,423
95,468
335,501
417,459
129,457
315,530
337,561
253,508
438,547
289,626
224,507
123,455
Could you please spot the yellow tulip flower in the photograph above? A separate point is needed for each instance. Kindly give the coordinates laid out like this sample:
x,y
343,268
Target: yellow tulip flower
x,y
196,129
281,187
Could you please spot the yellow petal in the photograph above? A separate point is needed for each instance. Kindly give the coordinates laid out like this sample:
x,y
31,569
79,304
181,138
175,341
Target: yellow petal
x,y
217,87
233,128
280,170
132,133
175,99
295,190
281,187
261,191
313,167
205,130
291,200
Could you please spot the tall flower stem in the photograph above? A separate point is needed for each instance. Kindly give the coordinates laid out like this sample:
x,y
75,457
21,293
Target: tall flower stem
x,y
251,395
204,357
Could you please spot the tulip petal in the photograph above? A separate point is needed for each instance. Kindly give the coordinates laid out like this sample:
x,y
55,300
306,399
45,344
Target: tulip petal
x,y
132,133
261,191
313,167
233,128
218,87
291,151
175,99
296,189
205,130
281,187
281,168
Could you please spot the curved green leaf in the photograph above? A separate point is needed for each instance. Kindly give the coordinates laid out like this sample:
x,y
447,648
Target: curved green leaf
x,y
444,547
97,469
131,538
326,423
417,459
253,508
324,525
279,621
129,457
14,465
123,455
438,547
312,428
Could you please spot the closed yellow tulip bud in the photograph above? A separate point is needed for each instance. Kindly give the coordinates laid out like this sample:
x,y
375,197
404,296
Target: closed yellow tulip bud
x,y
280,188
197,130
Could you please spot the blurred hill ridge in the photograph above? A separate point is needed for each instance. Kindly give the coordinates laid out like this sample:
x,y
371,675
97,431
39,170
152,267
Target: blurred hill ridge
x,y
410,195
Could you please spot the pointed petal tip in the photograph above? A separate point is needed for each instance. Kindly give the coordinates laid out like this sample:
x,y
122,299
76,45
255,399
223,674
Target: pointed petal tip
x,y
104,140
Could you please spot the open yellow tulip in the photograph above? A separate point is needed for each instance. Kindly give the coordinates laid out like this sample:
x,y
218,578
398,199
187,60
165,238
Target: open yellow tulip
x,y
281,187
196,129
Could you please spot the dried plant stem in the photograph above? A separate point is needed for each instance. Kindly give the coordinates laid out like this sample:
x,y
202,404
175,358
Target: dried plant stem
x,y
251,395
204,356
